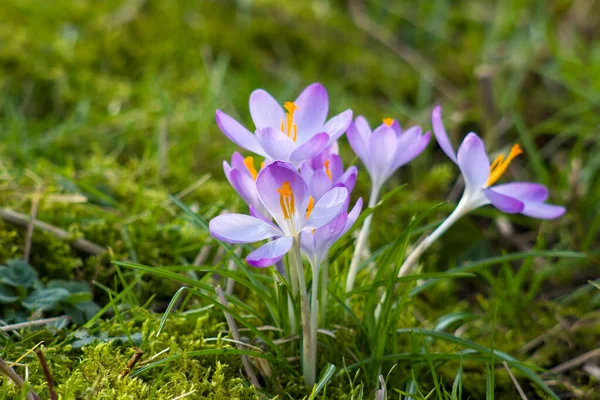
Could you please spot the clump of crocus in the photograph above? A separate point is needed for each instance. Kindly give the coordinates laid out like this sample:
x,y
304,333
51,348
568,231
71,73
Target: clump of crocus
x,y
293,133
307,211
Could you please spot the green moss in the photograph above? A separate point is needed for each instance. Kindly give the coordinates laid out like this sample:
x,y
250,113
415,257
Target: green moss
x,y
113,102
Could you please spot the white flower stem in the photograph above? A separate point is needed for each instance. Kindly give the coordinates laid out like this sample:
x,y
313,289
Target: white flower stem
x,y
361,242
308,352
314,312
461,209
324,269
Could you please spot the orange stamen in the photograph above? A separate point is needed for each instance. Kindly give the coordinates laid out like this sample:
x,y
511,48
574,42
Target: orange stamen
x,y
500,164
249,163
388,121
289,127
311,205
286,200
327,170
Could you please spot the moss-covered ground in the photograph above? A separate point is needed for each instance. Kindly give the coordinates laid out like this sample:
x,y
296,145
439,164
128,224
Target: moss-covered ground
x,y
107,116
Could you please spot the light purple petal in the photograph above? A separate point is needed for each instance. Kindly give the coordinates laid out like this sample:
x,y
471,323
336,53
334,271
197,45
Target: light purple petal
x,y
327,208
502,202
524,191
319,184
409,136
440,134
240,228
262,214
270,253
227,170
326,235
359,146
382,149
311,148
307,171
363,128
348,179
271,178
238,134
396,128
265,110
313,105
406,155
542,211
337,125
473,162
237,161
277,145
246,187
336,167
353,215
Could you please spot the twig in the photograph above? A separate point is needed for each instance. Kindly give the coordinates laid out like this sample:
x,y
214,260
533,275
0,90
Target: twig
x,y
44,321
131,363
202,255
40,354
540,339
514,380
593,370
232,266
236,336
23,220
184,395
35,202
576,361
163,148
16,378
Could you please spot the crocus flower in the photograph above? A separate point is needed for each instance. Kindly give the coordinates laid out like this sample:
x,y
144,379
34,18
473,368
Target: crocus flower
x,y
242,175
387,148
294,135
325,171
480,176
316,243
285,196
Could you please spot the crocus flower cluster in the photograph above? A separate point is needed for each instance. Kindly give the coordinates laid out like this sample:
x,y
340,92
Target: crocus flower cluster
x,y
298,138
298,193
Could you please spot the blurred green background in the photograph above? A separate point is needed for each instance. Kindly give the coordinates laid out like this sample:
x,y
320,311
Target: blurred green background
x,y
114,102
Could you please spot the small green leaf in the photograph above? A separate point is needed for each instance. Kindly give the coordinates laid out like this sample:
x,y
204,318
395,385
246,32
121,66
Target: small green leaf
x,y
71,286
45,299
7,295
18,273
81,312
76,298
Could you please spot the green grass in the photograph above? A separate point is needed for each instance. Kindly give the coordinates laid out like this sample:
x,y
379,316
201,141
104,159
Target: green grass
x,y
107,108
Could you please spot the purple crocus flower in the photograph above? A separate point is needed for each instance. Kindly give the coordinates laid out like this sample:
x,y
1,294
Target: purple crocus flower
x,y
325,171
285,196
387,148
518,197
294,135
242,175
